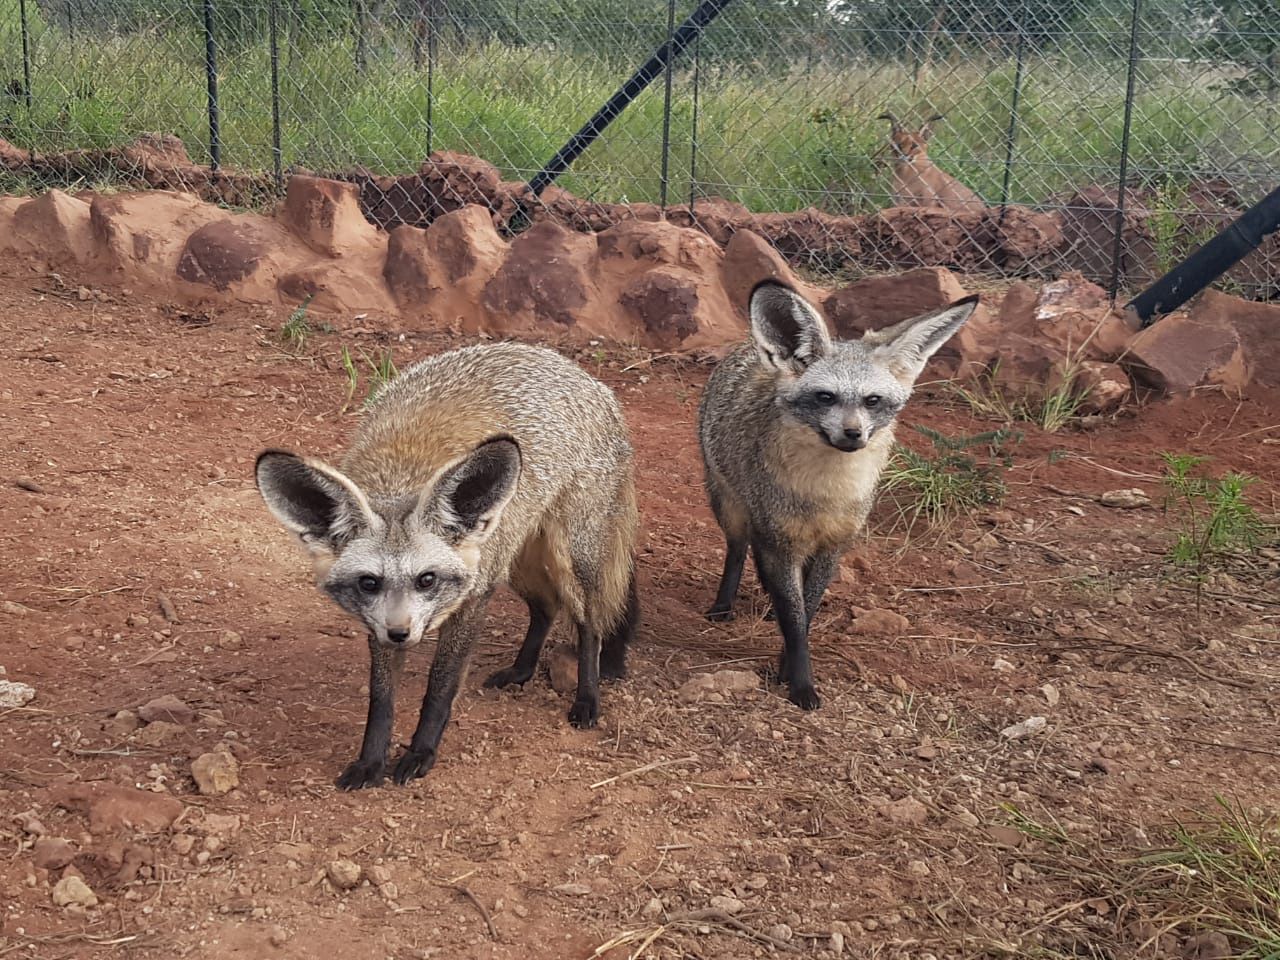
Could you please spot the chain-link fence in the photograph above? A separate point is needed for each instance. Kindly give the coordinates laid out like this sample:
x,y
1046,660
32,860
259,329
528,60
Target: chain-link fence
x,y
1014,125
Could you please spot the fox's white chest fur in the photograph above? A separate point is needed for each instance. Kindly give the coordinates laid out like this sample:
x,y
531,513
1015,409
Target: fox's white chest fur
x,y
839,487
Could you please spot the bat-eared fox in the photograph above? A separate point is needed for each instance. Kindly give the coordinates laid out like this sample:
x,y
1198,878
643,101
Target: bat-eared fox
x,y
478,466
795,428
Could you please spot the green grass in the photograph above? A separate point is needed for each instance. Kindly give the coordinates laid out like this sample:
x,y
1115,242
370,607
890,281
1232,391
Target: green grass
x,y
1216,874
771,139
957,476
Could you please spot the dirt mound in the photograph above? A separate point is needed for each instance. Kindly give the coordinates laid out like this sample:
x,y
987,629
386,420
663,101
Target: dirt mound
x,y
642,280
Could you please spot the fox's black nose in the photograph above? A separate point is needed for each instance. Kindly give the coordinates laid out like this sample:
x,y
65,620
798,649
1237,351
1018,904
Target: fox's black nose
x,y
852,434
397,634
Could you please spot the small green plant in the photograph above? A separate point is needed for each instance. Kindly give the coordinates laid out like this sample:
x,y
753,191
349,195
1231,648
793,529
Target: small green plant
x,y
382,371
959,475
1050,411
353,376
1214,519
297,328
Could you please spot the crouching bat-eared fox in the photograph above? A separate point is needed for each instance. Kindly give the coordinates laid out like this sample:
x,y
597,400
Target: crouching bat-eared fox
x,y
484,465
795,428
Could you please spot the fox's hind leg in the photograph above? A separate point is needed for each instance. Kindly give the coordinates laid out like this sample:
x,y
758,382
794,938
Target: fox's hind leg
x,y
542,614
732,520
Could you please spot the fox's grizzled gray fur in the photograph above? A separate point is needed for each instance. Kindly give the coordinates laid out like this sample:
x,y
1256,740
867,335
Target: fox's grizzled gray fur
x,y
795,428
484,465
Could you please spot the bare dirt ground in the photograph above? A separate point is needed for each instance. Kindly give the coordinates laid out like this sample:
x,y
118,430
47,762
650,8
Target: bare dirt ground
x,y
897,821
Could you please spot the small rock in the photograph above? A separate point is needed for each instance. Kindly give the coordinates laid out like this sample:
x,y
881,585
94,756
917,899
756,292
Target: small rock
x,y
967,817
216,773
780,931
230,640
1027,728
278,936
1207,946
1214,645
776,863
880,622
53,853
572,889
84,294
906,812
389,891
918,868
562,665
183,843
122,724
722,682
161,731
15,609
837,943
730,905
1126,499
739,774
1051,695
73,891
1002,665
168,708
13,694
31,825
927,751
378,874
652,909
1005,836
343,874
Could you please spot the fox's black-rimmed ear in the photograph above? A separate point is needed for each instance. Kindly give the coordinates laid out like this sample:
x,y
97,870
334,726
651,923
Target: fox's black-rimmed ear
x,y
907,346
470,496
926,131
788,332
312,499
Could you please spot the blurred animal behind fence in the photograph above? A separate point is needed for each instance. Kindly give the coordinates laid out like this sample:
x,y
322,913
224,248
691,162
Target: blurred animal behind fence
x,y
917,180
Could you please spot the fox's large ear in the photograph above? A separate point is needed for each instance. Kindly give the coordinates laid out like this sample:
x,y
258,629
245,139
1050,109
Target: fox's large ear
x,y
470,496
315,501
907,346
789,333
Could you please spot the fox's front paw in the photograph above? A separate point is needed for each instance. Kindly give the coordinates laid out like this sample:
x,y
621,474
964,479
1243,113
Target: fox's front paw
x,y
805,697
719,614
414,764
585,712
508,677
362,773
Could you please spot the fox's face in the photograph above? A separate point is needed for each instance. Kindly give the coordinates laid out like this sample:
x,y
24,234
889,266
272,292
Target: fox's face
x,y
402,564
845,391
845,396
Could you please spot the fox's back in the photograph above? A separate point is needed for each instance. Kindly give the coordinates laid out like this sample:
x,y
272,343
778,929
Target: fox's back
x,y
566,423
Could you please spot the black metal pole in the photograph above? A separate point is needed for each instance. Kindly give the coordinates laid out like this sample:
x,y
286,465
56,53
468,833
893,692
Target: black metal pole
x,y
431,77
1117,252
26,53
1237,240
706,11
1011,135
666,106
211,74
277,153
71,21
693,139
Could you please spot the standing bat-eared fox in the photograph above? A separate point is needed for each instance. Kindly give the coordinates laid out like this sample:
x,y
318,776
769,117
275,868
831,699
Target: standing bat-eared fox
x,y
795,428
478,466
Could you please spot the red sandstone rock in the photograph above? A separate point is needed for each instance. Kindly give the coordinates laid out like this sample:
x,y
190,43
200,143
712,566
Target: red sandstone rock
x,y
547,278
325,215
664,302
220,254
1179,353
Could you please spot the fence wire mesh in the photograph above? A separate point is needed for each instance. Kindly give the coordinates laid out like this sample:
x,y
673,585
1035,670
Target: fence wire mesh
x,y
1015,122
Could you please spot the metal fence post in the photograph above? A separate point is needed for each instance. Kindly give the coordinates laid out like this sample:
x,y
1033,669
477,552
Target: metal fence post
x,y
1011,135
277,153
666,106
26,53
71,20
431,76
211,75
1117,252
693,138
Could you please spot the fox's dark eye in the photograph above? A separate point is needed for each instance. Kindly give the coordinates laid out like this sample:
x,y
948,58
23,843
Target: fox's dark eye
x,y
369,584
872,401
825,397
426,580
